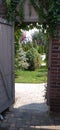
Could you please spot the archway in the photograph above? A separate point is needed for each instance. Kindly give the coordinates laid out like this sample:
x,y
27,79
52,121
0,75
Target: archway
x,y
54,64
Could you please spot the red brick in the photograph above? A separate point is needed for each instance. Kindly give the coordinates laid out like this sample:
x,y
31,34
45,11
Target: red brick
x,y
55,73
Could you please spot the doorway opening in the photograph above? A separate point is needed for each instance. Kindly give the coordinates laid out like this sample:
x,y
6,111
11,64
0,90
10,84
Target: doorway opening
x,y
31,67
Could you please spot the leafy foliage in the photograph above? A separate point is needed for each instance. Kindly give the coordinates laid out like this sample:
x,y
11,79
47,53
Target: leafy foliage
x,y
12,11
27,46
11,8
40,41
48,12
22,60
17,35
34,59
38,38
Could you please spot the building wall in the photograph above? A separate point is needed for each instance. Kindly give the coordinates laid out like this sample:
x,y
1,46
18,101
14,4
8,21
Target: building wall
x,y
30,15
2,9
54,83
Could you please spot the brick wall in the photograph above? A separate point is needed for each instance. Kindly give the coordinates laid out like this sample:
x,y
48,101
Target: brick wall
x,y
54,91
2,9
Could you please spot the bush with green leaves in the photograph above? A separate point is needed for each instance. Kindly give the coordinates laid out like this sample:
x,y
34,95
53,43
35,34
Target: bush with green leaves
x,y
17,35
22,60
34,59
27,46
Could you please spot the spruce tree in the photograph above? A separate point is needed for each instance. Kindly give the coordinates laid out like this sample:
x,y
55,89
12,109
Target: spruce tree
x,y
22,60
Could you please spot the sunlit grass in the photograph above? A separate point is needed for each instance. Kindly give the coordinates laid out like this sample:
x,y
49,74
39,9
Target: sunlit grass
x,y
37,76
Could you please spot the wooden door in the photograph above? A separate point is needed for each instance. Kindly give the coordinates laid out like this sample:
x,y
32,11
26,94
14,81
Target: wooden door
x,y
6,65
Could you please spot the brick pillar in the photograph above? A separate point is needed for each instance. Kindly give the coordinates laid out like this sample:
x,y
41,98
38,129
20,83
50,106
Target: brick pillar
x,y
2,9
54,83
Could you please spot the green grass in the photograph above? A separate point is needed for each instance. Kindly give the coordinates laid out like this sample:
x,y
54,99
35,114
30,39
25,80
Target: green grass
x,y
38,76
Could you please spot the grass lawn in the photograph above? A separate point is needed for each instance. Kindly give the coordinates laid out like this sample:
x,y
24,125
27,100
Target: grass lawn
x,y
38,76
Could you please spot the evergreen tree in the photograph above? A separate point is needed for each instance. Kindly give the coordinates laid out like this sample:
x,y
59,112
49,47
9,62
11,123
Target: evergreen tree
x,y
22,60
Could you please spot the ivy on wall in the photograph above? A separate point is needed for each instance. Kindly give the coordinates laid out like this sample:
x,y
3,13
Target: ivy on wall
x,y
11,9
48,11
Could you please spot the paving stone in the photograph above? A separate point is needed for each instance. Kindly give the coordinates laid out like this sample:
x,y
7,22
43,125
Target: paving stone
x,y
20,124
12,125
25,118
35,122
11,128
18,114
57,121
4,128
5,120
4,125
21,128
12,115
27,123
27,128
12,120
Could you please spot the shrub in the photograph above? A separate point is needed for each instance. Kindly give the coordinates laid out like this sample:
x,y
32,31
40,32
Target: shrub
x,y
27,46
34,59
22,60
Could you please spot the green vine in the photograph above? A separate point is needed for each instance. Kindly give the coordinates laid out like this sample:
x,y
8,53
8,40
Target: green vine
x,y
12,11
48,12
21,10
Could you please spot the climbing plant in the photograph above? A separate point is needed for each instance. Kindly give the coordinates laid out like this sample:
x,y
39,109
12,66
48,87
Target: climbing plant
x,y
12,11
48,12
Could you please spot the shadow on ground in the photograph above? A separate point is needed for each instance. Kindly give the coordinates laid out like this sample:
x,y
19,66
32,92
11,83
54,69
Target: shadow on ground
x,y
26,118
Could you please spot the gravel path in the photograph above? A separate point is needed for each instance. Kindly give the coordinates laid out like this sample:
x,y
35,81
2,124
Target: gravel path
x,y
30,96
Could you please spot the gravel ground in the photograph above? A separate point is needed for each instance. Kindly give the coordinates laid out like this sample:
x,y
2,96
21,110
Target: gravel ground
x,y
30,96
